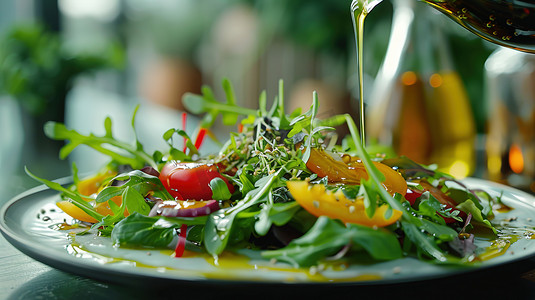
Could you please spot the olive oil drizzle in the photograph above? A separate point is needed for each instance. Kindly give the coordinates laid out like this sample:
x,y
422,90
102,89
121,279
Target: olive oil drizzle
x,y
359,11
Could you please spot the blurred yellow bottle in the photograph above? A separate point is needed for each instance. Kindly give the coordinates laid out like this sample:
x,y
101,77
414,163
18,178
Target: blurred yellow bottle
x,y
453,125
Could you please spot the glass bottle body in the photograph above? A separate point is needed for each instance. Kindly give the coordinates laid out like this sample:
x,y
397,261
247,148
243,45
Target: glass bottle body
x,y
419,105
510,142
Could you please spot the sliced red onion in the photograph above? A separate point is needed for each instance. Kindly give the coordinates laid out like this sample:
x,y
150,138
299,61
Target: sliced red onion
x,y
151,171
154,210
209,207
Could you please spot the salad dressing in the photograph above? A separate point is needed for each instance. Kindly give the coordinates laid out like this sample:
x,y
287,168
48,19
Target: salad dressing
x,y
360,9
497,248
227,265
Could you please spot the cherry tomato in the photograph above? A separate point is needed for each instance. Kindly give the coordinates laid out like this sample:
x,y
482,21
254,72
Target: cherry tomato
x,y
190,181
320,202
351,170
412,195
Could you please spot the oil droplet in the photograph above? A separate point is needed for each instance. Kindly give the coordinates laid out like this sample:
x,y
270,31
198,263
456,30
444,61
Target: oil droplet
x,y
492,17
509,22
502,208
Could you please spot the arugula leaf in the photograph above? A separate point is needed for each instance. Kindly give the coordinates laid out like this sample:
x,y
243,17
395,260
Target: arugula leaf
x,y
121,152
140,230
326,238
422,241
431,208
176,154
274,213
370,195
206,103
438,231
469,206
220,189
409,223
219,224
300,123
75,198
135,202
138,180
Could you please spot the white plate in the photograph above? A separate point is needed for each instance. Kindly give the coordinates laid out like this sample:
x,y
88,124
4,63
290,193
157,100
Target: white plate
x,y
27,219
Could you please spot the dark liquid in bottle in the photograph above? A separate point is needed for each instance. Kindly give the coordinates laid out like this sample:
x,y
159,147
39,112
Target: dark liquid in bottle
x,y
509,23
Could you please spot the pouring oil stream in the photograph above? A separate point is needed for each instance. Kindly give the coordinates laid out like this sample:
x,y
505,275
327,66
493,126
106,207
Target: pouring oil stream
x,y
359,10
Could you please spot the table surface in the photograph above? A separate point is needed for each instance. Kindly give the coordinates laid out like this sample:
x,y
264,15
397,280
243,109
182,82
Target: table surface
x,y
21,277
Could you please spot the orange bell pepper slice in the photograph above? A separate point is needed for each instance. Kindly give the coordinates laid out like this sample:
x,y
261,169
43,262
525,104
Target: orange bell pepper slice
x,y
318,201
350,170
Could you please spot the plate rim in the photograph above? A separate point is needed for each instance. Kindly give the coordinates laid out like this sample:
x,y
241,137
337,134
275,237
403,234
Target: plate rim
x,y
83,268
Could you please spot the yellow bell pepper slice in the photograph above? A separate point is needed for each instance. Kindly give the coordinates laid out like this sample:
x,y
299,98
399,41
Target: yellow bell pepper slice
x,y
88,187
318,201
94,183
77,213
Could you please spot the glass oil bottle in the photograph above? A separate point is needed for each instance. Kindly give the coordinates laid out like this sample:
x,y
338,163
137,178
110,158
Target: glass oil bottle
x,y
419,105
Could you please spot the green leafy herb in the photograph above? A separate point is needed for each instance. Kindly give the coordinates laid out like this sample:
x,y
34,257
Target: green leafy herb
x,y
328,236
121,152
139,181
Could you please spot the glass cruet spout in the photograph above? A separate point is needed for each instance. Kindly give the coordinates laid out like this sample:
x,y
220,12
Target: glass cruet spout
x,y
509,23
364,5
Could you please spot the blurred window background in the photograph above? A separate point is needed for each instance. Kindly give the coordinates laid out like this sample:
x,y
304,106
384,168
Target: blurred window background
x,y
78,62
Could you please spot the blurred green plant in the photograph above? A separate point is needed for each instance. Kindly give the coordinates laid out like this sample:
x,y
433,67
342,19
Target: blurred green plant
x,y
37,69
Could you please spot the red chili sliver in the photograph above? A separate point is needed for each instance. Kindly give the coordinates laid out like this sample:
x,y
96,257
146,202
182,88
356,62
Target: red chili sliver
x,y
184,122
181,245
200,138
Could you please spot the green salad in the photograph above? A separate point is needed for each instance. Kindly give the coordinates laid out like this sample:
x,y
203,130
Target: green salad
x,y
285,186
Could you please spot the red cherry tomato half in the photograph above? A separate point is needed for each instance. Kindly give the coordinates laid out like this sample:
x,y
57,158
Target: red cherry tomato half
x,y
412,195
190,181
